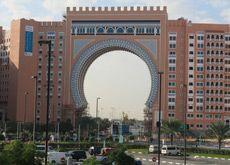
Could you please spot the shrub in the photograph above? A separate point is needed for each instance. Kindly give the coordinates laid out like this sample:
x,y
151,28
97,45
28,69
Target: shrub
x,y
91,161
120,157
18,153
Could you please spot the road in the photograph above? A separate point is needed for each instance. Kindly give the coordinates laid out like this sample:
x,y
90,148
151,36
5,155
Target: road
x,y
177,160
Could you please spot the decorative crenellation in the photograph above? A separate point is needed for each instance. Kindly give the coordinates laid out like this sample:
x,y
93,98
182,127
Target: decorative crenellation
x,y
51,23
119,8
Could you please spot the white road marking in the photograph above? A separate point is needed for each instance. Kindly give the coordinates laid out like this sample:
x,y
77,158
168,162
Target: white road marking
x,y
170,162
138,158
209,158
150,160
216,158
203,156
222,158
163,161
139,152
177,163
228,159
144,159
133,152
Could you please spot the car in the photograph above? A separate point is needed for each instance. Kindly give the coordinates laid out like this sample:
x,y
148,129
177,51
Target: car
x,y
102,159
105,151
95,150
42,148
56,158
78,155
170,150
153,148
138,162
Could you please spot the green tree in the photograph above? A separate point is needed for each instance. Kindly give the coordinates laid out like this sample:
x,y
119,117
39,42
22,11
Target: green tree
x,y
120,157
172,128
91,161
220,131
17,153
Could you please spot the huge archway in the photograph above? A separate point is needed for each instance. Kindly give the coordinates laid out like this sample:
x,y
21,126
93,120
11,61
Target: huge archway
x,y
90,54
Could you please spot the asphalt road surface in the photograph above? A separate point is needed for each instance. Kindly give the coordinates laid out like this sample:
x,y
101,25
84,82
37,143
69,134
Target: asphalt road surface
x,y
178,160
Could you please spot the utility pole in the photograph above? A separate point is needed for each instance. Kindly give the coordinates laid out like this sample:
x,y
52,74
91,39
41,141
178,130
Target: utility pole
x,y
35,107
98,124
185,124
159,120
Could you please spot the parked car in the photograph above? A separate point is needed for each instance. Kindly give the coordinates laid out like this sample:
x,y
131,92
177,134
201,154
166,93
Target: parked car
x,y
102,159
138,162
170,150
95,150
105,151
56,158
42,148
153,148
78,155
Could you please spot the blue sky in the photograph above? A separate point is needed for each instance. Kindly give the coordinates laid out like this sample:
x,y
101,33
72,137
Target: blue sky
x,y
121,79
217,11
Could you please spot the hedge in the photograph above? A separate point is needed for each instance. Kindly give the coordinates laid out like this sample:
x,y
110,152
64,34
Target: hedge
x,y
208,151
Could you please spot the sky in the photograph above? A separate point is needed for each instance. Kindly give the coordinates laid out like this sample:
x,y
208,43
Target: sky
x,y
121,79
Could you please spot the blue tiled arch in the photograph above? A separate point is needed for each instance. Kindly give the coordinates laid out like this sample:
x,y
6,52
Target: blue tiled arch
x,y
90,54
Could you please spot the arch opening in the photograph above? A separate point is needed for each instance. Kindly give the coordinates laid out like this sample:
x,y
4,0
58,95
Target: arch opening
x,y
90,54
122,81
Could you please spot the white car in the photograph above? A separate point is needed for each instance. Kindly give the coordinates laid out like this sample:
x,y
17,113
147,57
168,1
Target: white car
x,y
56,158
170,150
153,149
42,148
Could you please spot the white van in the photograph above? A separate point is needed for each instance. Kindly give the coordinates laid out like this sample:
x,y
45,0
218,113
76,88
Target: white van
x,y
170,150
55,157
42,148
153,148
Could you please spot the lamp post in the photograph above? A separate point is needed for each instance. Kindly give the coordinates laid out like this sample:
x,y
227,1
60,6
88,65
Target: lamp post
x,y
159,120
185,123
47,42
35,107
25,95
98,126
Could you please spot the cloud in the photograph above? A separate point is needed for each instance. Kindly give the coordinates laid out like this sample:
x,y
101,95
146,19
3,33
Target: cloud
x,y
59,6
226,15
196,10
16,8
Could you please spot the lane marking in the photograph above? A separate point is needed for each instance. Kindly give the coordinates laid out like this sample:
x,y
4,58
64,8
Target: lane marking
x,y
150,160
170,162
202,156
177,163
222,158
138,158
139,152
144,159
209,158
163,161
228,159
216,158
133,152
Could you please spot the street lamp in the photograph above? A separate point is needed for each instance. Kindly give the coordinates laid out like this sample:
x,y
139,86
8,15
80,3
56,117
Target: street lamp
x,y
185,122
25,95
98,126
35,106
47,42
159,119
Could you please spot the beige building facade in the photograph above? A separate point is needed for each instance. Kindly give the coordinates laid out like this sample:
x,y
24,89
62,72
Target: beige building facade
x,y
195,59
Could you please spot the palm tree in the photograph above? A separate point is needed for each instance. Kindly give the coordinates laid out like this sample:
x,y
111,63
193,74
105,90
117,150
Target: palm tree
x,y
172,128
220,131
